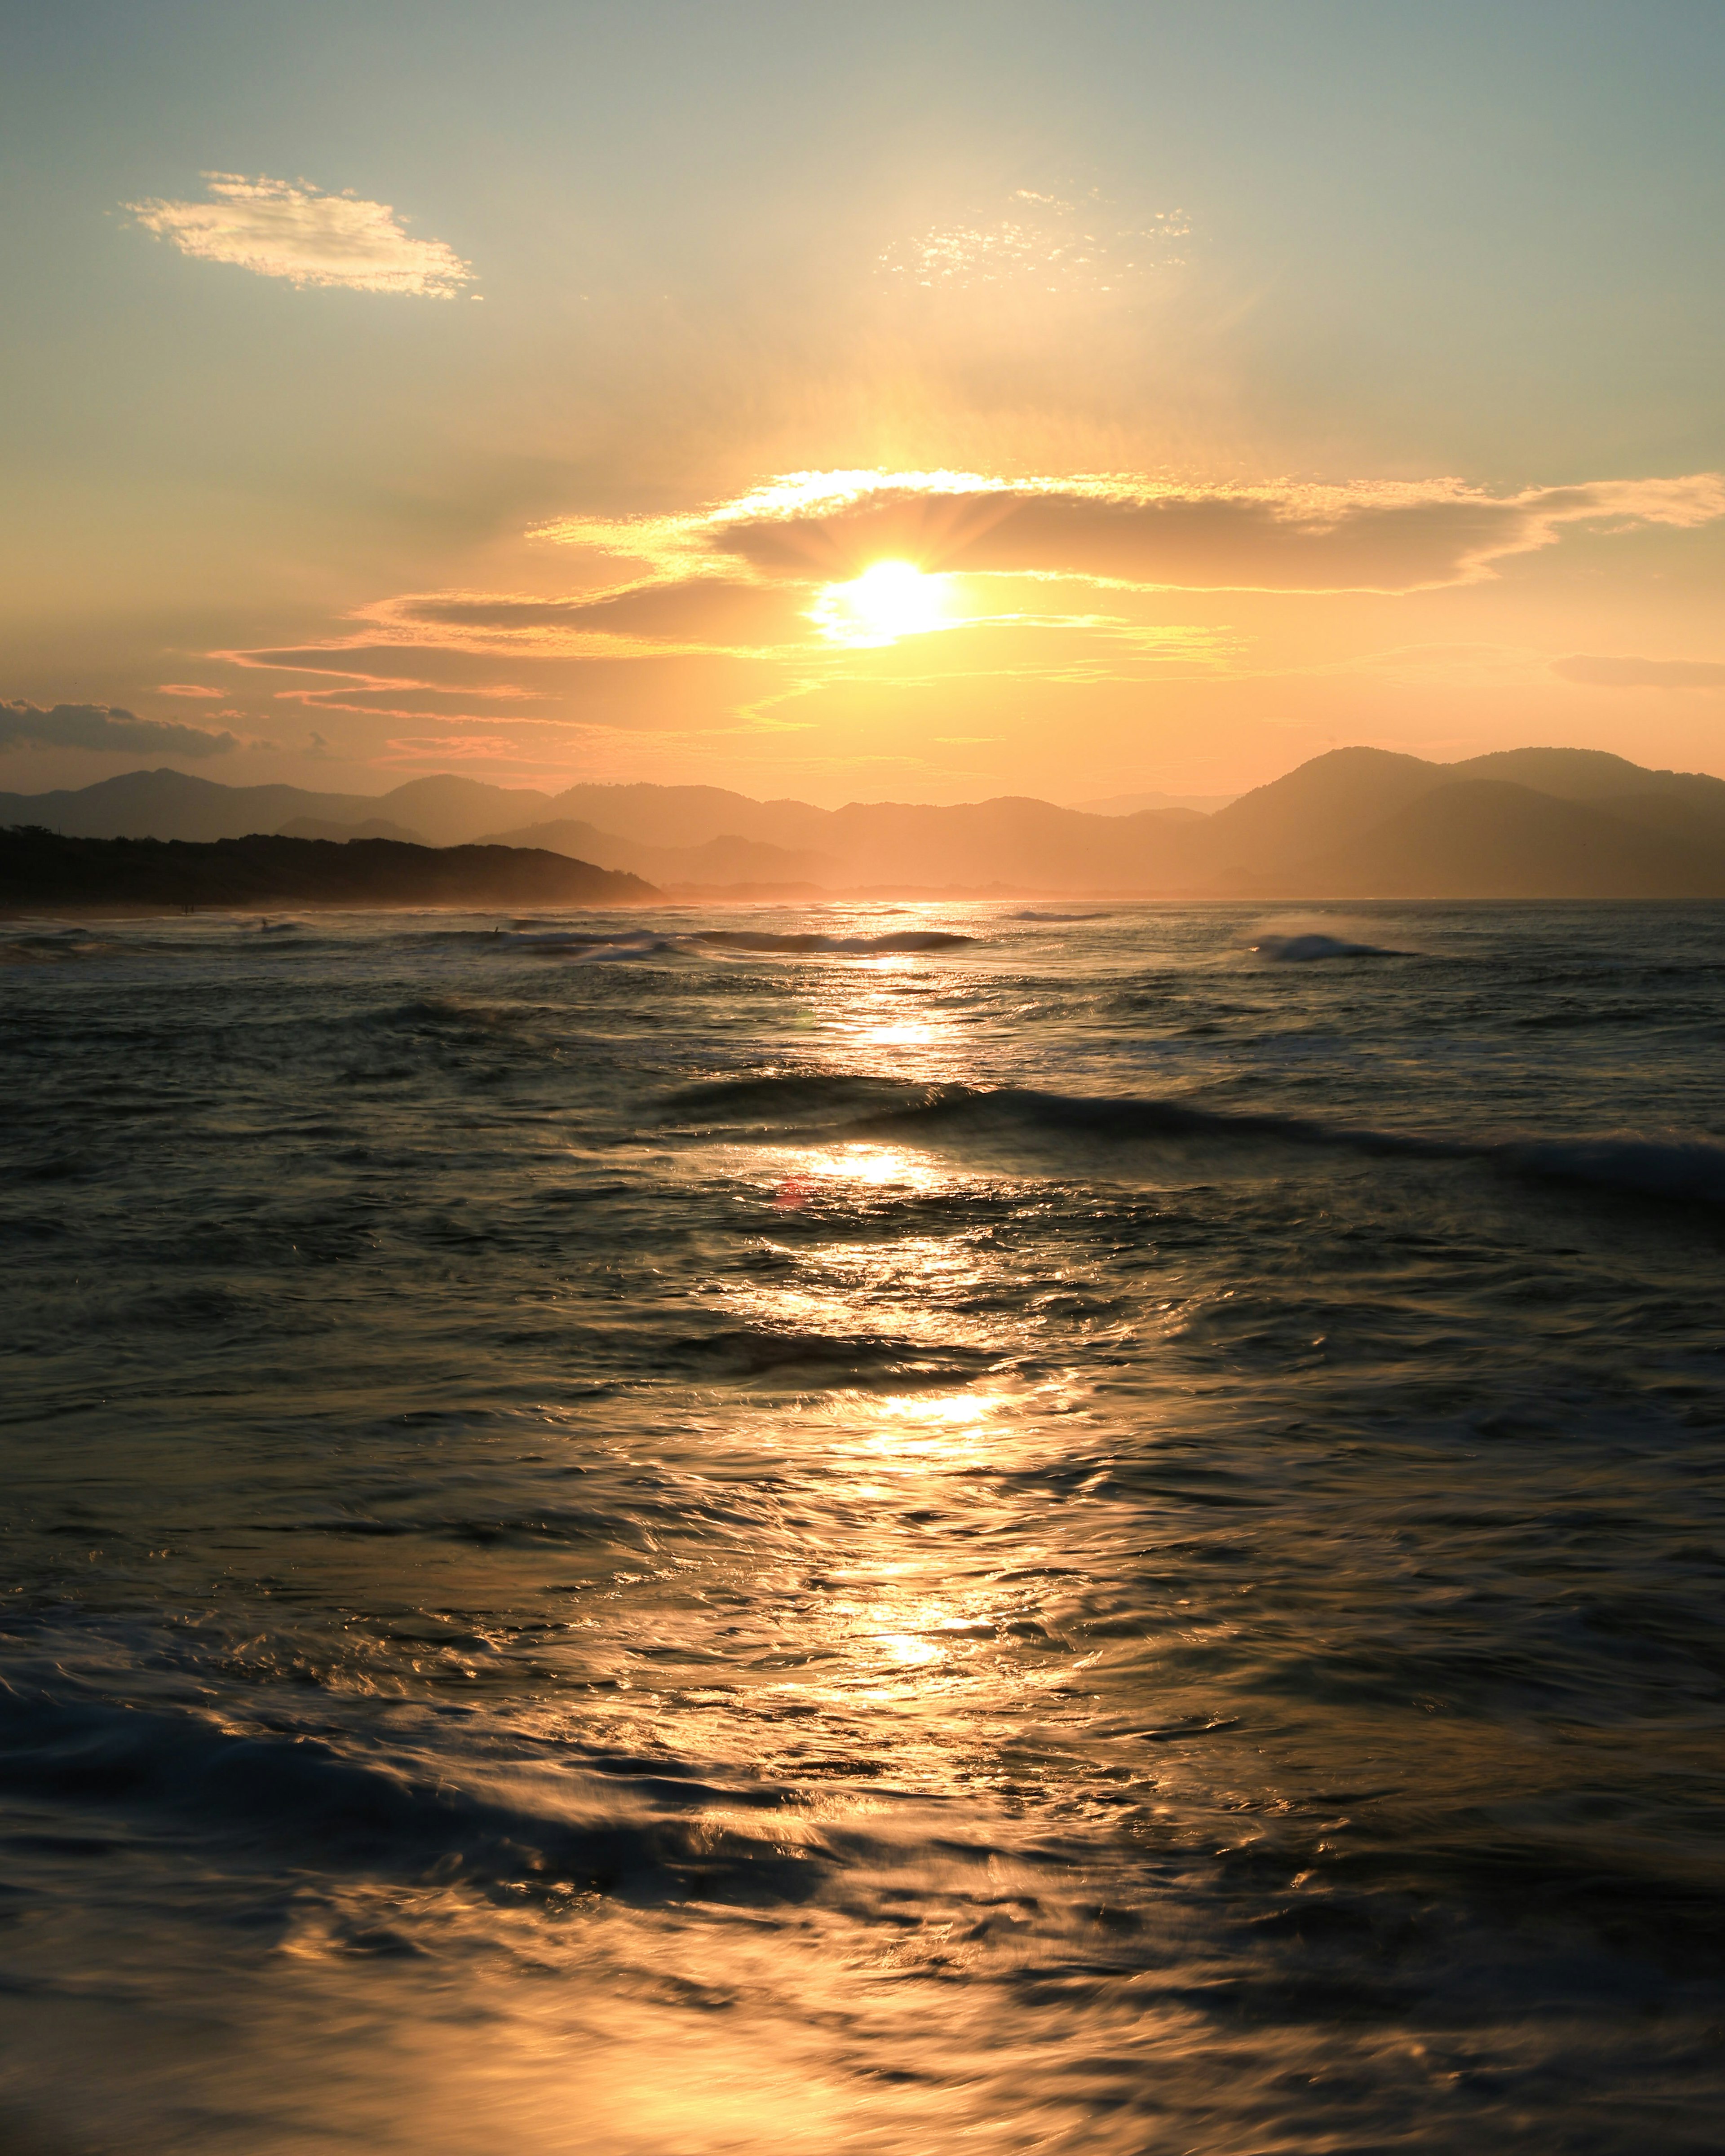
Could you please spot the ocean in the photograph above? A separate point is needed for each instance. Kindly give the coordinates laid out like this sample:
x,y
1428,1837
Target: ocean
x,y
948,1528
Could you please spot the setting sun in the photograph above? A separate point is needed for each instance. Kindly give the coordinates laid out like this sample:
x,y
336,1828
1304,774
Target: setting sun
x,y
891,600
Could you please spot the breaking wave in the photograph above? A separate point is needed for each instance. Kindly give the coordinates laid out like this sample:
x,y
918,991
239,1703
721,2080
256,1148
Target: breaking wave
x,y
53,949
813,1103
539,1817
1301,950
586,946
1683,1169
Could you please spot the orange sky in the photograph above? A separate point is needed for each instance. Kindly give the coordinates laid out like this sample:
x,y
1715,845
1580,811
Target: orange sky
x,y
970,401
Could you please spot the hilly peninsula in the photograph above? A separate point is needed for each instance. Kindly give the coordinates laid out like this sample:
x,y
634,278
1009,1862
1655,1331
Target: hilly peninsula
x,y
41,870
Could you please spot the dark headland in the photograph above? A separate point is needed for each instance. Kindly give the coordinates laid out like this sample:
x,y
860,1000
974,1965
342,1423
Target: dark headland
x,y
41,869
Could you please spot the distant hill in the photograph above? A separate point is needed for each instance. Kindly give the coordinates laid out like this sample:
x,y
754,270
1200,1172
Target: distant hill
x,y
1484,838
1009,844
1355,823
170,804
718,864
1531,823
39,870
328,827
1129,804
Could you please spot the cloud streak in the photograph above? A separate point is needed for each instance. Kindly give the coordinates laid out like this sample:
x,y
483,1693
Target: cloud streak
x,y
105,727
1389,537
289,229
1641,673
713,614
717,612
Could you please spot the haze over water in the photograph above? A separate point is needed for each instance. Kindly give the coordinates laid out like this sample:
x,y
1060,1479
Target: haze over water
x,y
700,1530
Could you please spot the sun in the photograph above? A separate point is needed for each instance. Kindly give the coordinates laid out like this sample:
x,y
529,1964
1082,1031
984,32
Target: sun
x,y
889,600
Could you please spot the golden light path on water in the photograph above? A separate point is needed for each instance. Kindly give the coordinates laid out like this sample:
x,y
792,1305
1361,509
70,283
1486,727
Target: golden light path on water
x,y
790,1607
901,1640
903,1632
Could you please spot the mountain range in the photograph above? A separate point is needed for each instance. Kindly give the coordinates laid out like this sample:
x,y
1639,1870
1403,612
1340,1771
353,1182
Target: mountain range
x,y
1356,823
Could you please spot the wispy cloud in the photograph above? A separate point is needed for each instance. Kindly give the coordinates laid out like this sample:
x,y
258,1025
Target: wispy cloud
x,y
710,613
1043,243
444,678
813,527
105,727
455,748
291,229
189,689
1641,673
731,607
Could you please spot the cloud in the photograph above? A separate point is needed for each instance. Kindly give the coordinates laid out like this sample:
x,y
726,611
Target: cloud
x,y
188,689
714,613
105,727
1042,243
281,230
452,682
1642,673
454,748
1372,536
698,612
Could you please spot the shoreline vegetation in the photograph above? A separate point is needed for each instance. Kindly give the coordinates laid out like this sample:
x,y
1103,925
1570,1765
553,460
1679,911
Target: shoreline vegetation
x,y
41,869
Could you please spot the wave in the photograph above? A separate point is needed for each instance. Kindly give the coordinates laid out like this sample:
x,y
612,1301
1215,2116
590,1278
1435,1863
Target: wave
x,y
874,1103
1059,917
795,1097
652,946
907,939
563,939
1301,950
536,1818
863,1358
819,1104
586,947
45,951
1692,1169
447,1013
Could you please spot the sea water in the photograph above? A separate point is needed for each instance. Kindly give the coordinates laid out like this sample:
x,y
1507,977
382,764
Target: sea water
x,y
948,1528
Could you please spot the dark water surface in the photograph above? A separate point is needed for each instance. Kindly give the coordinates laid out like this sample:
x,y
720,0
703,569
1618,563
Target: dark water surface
x,y
778,1530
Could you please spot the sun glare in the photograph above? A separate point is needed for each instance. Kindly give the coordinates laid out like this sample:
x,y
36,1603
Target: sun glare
x,y
887,601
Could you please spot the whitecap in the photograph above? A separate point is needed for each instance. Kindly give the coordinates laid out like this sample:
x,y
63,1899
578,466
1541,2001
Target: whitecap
x,y
1300,950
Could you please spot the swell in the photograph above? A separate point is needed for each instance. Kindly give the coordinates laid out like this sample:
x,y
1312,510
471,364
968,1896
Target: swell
x,y
587,946
813,1104
902,940
547,1817
1303,950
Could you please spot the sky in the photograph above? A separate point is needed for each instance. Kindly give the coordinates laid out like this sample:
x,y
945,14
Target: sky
x,y
916,402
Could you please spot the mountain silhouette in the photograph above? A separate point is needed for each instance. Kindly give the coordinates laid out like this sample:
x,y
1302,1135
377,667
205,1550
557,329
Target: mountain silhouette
x,y
1485,838
1355,823
40,868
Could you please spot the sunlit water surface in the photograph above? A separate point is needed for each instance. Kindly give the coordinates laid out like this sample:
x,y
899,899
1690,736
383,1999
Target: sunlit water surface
x,y
1094,1539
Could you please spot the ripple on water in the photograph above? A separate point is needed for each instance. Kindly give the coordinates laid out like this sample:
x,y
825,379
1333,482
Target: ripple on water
x,y
637,1556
